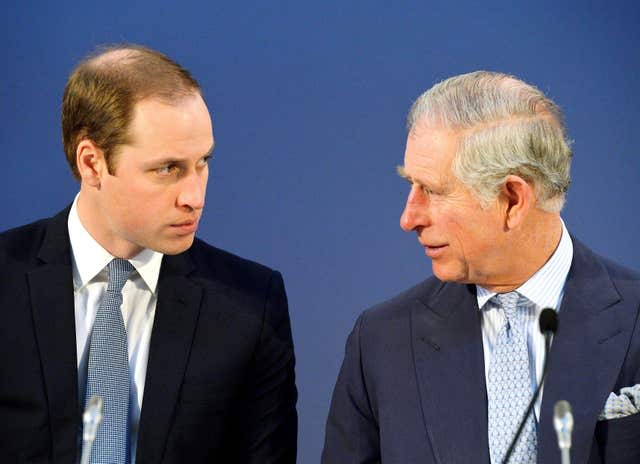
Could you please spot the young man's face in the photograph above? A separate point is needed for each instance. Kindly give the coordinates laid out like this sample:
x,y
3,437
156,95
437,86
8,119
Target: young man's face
x,y
155,197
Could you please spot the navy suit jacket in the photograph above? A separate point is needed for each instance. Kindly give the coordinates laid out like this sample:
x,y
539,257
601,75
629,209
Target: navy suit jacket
x,y
220,376
412,385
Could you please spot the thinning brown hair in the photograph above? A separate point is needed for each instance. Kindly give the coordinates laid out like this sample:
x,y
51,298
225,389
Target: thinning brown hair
x,y
102,90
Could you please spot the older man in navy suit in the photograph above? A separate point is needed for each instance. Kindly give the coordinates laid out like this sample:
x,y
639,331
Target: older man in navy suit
x,y
443,372
188,346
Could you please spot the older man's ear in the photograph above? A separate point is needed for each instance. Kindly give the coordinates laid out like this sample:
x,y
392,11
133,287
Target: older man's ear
x,y
518,198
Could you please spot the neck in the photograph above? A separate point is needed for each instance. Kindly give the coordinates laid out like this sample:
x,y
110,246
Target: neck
x,y
98,226
529,248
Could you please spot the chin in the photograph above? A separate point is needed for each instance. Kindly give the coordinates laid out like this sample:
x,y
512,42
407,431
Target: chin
x,y
448,275
175,247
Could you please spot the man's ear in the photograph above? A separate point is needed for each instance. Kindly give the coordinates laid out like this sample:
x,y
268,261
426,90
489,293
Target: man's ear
x,y
519,198
91,163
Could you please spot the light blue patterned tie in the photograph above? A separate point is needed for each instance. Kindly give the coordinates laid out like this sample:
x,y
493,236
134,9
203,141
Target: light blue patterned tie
x,y
509,388
108,370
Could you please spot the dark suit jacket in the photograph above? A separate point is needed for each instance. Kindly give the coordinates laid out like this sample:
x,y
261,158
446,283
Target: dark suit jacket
x,y
220,377
412,385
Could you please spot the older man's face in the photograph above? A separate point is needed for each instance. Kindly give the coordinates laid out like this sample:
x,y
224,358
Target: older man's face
x,y
463,240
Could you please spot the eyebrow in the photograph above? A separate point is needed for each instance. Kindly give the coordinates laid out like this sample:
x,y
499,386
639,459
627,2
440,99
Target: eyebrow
x,y
210,150
405,175
173,159
401,172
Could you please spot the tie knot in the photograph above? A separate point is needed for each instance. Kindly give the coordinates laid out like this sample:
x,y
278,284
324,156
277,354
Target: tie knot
x,y
509,303
119,271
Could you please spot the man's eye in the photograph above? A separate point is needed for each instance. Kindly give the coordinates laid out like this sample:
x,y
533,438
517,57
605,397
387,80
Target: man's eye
x,y
427,190
166,170
204,161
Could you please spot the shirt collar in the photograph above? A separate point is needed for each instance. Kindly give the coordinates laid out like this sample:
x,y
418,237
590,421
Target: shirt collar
x,y
90,258
546,286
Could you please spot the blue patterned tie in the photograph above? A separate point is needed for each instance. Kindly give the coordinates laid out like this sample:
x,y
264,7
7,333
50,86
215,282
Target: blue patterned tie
x,y
108,370
509,388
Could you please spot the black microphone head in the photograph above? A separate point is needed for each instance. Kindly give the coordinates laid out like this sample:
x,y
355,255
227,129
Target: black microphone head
x,y
548,321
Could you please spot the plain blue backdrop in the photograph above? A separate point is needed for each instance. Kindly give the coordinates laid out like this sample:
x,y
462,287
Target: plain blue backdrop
x,y
309,101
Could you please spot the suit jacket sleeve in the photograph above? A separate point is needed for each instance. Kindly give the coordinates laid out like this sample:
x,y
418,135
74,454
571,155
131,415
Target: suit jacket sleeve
x,y
271,419
352,429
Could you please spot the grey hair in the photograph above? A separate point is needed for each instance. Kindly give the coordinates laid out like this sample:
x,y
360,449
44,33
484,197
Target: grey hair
x,y
506,126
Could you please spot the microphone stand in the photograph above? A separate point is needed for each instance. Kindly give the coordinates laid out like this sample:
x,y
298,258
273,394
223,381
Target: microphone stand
x,y
91,419
563,423
526,414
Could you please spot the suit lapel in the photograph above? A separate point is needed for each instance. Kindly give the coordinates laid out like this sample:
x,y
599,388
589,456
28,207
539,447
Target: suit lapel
x,y
174,326
52,306
586,356
447,347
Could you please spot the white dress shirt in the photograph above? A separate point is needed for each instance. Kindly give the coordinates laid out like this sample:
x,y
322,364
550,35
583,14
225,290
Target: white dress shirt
x,y
89,260
544,289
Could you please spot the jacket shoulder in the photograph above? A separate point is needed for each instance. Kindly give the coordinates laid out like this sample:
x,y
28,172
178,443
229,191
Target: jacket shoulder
x,y
204,255
400,304
237,273
22,243
620,272
625,279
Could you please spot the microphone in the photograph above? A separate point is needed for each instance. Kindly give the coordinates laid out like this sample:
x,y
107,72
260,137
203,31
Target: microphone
x,y
91,419
548,323
563,423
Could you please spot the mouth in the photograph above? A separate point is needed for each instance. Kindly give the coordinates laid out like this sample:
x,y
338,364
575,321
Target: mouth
x,y
185,227
434,251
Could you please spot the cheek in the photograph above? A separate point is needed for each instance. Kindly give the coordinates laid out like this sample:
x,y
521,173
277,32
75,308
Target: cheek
x,y
132,219
485,237
137,208
474,233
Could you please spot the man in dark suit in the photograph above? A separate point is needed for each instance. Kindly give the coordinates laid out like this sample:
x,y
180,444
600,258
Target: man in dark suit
x,y
208,355
442,373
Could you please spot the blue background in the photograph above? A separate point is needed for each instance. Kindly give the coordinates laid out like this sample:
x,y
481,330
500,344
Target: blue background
x,y
309,101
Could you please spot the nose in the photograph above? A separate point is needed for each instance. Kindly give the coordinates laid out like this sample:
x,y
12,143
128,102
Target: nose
x,y
193,190
415,212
